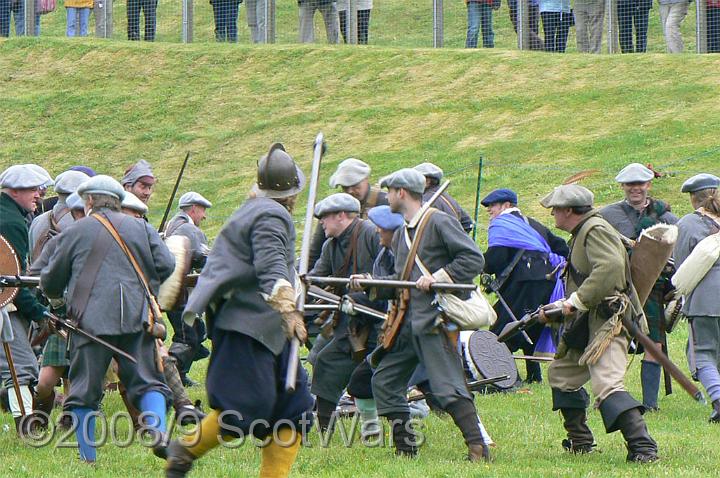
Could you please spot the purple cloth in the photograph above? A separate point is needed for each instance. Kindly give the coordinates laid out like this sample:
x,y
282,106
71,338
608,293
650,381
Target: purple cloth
x,y
509,230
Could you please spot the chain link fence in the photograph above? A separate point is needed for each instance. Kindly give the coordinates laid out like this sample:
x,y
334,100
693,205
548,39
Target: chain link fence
x,y
588,26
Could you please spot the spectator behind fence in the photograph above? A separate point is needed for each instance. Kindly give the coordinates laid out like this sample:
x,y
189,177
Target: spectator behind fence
x,y
533,22
712,12
556,20
226,18
629,13
363,19
589,16
672,14
256,19
78,14
480,15
4,18
328,9
102,11
17,9
149,9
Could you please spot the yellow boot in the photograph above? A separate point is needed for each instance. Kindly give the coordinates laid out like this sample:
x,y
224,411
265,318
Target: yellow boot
x,y
277,459
183,452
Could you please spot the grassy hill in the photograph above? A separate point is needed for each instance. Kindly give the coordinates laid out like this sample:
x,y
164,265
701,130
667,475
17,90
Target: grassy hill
x,y
535,118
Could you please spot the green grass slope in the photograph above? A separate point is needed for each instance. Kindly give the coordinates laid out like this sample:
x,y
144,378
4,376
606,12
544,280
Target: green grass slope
x,y
535,118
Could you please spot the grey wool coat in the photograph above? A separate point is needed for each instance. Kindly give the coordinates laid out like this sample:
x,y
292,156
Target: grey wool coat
x,y
254,249
117,304
182,225
705,299
444,245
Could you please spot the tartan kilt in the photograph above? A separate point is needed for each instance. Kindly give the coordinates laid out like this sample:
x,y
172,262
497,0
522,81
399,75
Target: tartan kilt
x,y
55,352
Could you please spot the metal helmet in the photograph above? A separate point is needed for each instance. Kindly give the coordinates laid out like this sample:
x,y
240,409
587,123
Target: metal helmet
x,y
278,176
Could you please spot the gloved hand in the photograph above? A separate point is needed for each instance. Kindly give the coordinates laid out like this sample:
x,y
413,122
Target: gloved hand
x,y
348,305
294,325
282,299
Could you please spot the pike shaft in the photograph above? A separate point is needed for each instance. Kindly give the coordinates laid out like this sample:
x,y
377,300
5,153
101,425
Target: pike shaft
x,y
396,284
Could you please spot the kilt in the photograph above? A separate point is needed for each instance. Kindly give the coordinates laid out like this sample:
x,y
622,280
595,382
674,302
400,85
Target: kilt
x,y
55,352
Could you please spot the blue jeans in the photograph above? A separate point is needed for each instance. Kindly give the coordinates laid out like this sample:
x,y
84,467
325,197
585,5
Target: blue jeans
x,y
18,10
226,17
77,18
479,14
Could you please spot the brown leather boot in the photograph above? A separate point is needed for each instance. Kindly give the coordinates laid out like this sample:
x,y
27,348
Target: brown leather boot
x,y
478,452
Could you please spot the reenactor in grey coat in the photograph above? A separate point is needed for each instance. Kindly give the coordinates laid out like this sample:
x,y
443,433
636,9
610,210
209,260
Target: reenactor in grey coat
x,y
446,203
246,292
702,305
352,247
187,340
450,255
353,177
139,180
105,296
594,344
630,217
59,217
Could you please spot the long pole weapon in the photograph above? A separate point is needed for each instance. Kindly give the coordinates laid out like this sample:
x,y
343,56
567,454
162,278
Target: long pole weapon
x,y
14,377
174,191
477,198
319,149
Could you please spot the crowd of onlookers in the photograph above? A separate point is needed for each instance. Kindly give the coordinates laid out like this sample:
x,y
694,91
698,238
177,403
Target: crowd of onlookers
x,y
556,17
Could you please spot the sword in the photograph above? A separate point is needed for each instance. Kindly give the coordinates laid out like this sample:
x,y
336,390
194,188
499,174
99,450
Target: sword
x,y
396,284
294,358
57,321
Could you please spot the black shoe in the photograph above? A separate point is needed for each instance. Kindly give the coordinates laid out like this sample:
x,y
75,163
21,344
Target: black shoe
x,y
189,414
179,460
641,447
715,415
188,382
577,449
644,457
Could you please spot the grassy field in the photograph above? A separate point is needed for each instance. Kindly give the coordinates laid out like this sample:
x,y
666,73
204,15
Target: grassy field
x,y
535,118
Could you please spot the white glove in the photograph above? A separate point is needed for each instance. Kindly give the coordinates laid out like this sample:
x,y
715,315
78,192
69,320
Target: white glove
x,y
348,305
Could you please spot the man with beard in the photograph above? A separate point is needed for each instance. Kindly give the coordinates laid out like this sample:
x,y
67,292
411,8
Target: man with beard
x,y
139,180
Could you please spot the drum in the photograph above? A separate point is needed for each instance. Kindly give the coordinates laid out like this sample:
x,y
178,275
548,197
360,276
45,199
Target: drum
x,y
173,289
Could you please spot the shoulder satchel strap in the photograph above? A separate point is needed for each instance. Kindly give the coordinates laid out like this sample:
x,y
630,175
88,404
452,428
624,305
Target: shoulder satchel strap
x,y
501,278
86,278
709,220
452,208
52,231
351,254
138,271
410,260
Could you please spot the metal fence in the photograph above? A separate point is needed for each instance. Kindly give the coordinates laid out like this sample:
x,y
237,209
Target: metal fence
x,y
591,26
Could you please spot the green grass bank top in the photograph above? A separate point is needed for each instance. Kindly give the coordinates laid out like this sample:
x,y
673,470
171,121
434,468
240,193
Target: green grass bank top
x,y
536,118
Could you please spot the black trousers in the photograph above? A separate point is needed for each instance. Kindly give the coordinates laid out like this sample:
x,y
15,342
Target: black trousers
x,y
713,29
629,13
363,25
556,26
149,9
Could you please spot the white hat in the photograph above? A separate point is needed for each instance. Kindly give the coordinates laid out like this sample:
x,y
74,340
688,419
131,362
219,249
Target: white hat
x,y
68,182
102,184
131,201
22,176
336,203
74,202
429,170
634,173
190,198
349,173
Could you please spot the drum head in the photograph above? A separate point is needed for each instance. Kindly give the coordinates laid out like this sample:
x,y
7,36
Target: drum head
x,y
173,289
492,358
9,265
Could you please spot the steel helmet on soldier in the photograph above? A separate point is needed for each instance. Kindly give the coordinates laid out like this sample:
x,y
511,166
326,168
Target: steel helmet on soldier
x,y
278,176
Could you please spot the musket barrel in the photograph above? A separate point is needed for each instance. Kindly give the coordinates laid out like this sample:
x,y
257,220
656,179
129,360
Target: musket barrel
x,y
396,284
19,281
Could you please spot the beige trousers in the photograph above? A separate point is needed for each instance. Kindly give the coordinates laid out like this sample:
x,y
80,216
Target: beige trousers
x,y
671,17
606,376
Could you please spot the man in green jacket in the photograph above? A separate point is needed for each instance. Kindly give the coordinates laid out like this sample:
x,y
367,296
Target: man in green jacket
x,y
594,343
19,193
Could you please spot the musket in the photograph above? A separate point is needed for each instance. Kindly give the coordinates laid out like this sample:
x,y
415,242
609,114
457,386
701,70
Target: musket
x,y
66,324
319,149
19,281
663,360
335,302
172,196
492,285
472,386
395,284
528,320
532,358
